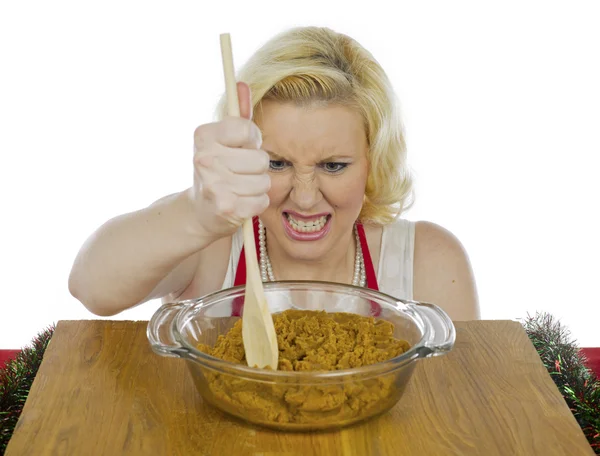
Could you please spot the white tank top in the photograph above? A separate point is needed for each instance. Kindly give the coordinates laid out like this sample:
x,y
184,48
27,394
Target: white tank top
x,y
394,271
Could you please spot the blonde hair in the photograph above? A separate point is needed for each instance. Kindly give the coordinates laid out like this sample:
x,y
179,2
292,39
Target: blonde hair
x,y
305,65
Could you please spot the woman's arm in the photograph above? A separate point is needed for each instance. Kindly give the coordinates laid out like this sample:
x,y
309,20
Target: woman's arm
x,y
139,256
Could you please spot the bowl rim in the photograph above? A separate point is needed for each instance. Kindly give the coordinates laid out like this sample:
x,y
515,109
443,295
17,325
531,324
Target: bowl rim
x,y
225,367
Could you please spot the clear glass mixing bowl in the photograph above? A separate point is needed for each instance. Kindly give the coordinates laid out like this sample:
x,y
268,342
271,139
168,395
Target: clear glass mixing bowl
x,y
305,400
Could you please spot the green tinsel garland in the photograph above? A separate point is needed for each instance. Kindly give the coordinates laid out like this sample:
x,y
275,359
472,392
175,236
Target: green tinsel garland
x,y
566,365
15,381
560,355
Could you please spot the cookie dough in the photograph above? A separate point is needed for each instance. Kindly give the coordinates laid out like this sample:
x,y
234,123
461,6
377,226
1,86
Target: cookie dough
x,y
310,341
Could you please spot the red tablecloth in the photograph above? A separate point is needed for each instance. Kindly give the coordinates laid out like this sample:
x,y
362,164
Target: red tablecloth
x,y
593,359
6,355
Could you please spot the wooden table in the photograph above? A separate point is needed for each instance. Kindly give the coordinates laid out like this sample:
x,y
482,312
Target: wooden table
x,y
101,391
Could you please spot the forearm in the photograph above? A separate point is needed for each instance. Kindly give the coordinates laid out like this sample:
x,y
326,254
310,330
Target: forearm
x,y
131,255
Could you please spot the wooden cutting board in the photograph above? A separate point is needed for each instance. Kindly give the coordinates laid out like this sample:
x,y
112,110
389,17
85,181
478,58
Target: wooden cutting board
x,y
101,391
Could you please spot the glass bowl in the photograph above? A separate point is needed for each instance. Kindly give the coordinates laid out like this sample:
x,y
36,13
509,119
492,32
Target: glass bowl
x,y
299,400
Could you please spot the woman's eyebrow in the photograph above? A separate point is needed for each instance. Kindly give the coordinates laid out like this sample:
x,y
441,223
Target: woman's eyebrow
x,y
274,156
331,158
334,158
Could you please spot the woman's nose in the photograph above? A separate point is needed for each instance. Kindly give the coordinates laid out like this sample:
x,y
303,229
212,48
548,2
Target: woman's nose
x,y
305,191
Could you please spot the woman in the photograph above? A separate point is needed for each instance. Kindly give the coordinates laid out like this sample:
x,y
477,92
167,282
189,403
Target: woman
x,y
319,156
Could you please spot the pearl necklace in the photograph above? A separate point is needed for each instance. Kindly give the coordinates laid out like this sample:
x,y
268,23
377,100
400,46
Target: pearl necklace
x,y
266,270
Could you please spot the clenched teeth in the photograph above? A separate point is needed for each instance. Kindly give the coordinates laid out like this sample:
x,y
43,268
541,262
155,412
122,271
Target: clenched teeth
x,y
307,227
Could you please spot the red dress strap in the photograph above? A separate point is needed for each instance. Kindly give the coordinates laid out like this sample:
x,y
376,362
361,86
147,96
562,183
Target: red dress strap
x,y
240,274
369,269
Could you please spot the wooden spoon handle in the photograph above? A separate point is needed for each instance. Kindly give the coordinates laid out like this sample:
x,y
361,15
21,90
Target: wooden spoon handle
x,y
233,109
233,103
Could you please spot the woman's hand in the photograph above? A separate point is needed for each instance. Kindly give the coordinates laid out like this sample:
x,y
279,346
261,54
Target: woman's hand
x,y
231,178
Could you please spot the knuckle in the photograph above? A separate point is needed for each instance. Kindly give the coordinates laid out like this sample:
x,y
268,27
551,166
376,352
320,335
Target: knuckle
x,y
209,194
203,161
266,182
232,131
240,131
230,125
201,134
199,160
254,206
250,132
265,204
255,135
247,128
263,158
208,186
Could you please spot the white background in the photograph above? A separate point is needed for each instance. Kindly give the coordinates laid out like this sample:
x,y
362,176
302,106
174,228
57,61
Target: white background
x,y
99,101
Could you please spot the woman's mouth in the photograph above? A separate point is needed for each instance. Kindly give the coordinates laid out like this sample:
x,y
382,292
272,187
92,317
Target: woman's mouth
x,y
306,228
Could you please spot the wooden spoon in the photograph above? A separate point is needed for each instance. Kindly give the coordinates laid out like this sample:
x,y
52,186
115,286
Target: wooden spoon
x,y
258,331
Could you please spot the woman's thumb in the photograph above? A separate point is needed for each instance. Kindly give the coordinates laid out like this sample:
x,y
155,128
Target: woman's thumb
x,y
245,100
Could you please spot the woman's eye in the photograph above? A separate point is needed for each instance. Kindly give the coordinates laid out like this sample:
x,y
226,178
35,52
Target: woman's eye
x,y
277,165
333,167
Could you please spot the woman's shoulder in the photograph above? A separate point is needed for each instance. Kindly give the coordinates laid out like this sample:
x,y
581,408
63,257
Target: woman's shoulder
x,y
437,245
424,233
442,271
433,238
